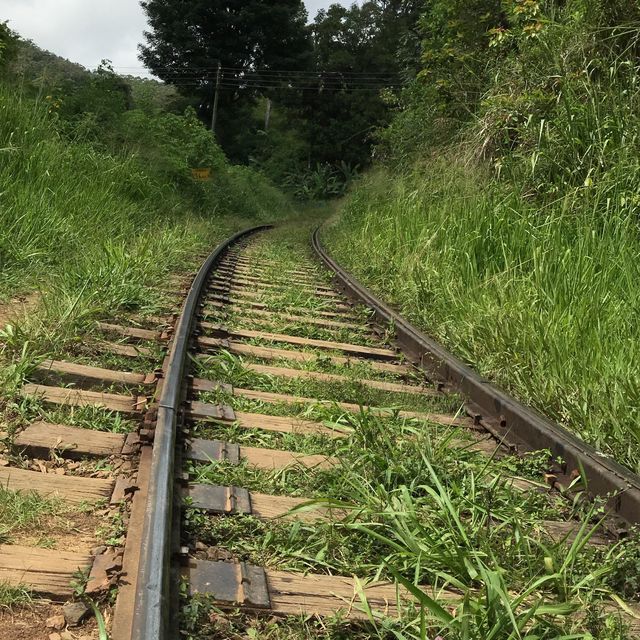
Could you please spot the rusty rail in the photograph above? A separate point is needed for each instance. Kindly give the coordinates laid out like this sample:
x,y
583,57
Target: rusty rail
x,y
505,417
153,595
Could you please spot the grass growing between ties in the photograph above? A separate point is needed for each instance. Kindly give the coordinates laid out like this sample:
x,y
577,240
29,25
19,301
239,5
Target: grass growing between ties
x,y
413,503
23,511
439,516
353,390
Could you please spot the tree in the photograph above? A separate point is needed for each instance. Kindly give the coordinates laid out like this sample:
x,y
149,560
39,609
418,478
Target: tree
x,y
356,52
187,40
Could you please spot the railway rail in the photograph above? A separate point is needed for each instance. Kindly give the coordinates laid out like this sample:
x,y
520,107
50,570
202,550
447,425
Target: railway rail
x,y
273,366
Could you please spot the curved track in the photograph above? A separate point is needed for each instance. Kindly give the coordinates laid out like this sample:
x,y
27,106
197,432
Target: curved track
x,y
272,325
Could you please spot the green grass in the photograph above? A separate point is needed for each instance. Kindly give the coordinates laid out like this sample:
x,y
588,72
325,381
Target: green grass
x,y
422,508
94,232
14,596
22,511
542,300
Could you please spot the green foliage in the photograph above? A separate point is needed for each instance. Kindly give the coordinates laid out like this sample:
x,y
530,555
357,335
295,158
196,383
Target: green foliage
x,y
530,296
186,43
99,200
8,42
321,182
510,230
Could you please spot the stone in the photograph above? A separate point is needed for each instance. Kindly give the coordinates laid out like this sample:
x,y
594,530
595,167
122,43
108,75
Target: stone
x,y
55,622
74,612
96,551
55,636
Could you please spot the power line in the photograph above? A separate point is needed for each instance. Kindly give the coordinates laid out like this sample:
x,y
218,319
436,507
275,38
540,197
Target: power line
x,y
361,75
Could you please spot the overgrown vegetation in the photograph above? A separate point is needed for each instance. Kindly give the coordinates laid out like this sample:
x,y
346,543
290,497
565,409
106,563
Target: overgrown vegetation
x,y
504,220
99,202
300,101
412,502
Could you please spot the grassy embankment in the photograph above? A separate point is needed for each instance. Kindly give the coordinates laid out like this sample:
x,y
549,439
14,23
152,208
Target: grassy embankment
x,y
96,231
525,266
98,210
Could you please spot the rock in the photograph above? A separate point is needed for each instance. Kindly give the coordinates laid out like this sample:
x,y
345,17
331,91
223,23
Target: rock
x,y
96,551
55,636
200,546
55,622
60,471
67,635
74,612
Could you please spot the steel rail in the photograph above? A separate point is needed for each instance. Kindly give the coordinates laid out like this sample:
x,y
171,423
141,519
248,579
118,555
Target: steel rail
x,y
503,415
152,607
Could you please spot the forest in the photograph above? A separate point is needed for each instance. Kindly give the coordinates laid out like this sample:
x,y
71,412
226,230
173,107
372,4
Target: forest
x,y
475,163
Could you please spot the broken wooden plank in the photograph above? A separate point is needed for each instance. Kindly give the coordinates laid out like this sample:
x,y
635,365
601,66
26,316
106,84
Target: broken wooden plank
x,y
81,398
48,572
73,489
40,438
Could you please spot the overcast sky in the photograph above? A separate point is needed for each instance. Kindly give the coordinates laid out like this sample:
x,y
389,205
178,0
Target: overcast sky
x,y
87,31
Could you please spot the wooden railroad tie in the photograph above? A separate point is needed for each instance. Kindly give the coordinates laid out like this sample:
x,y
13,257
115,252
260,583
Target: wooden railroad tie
x,y
271,353
200,386
220,331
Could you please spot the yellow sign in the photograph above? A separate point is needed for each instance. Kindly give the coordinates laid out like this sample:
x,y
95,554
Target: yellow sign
x,y
201,174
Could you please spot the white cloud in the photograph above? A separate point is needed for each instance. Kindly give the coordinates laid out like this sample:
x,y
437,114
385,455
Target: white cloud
x,y
87,31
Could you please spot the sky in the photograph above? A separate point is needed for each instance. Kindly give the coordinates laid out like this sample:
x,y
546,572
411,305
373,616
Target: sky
x,y
88,31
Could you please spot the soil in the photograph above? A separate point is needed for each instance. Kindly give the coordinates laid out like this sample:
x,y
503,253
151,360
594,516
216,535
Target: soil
x,y
28,623
71,532
17,308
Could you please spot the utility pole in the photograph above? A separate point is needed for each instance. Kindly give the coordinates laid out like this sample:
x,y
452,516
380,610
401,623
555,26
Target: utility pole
x,y
214,115
267,115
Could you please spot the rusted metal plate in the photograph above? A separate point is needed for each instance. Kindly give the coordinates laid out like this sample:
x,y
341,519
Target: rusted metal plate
x,y
206,410
216,499
213,451
228,583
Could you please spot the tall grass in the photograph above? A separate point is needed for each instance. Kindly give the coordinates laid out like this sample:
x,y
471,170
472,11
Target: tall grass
x,y
527,266
543,300
96,232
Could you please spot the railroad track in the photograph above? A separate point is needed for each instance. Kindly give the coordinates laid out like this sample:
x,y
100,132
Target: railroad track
x,y
284,434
